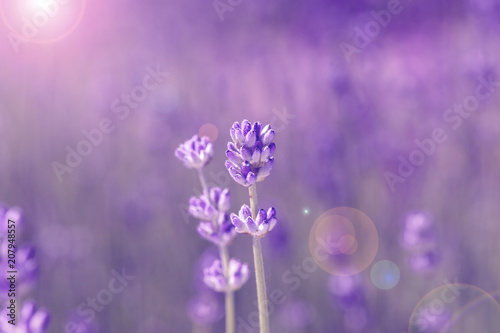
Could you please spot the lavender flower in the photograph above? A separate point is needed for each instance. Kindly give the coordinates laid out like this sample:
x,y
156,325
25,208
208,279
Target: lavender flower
x,y
245,224
205,309
418,237
221,234
202,208
418,231
250,156
196,152
237,275
31,320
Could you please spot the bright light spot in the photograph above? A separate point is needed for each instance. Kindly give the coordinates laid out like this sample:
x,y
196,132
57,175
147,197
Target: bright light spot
x,y
385,274
306,211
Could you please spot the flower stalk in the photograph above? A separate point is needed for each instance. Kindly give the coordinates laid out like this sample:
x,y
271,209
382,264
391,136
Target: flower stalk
x,y
224,256
259,267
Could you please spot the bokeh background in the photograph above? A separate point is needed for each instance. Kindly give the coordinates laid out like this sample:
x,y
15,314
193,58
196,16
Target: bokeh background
x,y
123,207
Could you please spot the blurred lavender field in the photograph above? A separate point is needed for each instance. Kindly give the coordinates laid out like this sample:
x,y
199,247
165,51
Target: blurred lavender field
x,y
386,107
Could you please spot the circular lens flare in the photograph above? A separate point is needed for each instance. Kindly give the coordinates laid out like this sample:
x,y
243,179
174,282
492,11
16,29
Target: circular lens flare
x,y
343,241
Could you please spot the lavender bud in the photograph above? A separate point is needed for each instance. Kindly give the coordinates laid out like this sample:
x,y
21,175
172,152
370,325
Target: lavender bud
x,y
195,152
234,157
250,139
237,275
267,138
257,126
256,156
201,208
246,126
245,168
251,178
245,224
256,148
224,202
246,153
221,234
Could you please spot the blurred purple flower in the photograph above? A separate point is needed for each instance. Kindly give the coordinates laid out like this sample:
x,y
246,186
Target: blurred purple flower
x,y
250,156
30,320
25,265
418,231
423,262
196,152
6,214
202,208
418,237
245,224
238,274
221,234
205,309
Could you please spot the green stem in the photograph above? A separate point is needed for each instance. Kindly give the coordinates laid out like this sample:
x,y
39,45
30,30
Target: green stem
x,y
260,277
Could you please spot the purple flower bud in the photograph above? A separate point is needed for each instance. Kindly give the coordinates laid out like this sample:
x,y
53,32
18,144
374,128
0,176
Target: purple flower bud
x,y
265,170
224,202
245,168
221,234
201,208
257,126
195,152
256,156
246,153
234,157
267,138
246,126
245,224
250,139
256,148
237,275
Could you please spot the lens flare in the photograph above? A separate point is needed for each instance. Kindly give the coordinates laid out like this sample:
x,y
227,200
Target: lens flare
x,y
455,307
343,241
41,21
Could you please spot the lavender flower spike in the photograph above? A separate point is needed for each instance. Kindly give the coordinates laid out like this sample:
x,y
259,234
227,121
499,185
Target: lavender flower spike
x,y
245,224
250,156
221,235
196,152
237,275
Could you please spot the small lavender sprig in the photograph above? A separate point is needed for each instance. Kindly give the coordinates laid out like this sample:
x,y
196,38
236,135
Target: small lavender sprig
x,y
196,152
211,208
250,156
250,159
237,275
245,224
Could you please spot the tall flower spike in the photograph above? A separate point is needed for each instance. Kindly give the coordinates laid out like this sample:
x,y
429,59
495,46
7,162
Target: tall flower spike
x,y
196,152
245,224
221,235
214,278
250,157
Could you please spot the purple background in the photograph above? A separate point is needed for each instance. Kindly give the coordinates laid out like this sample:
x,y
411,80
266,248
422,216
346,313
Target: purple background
x,y
121,207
